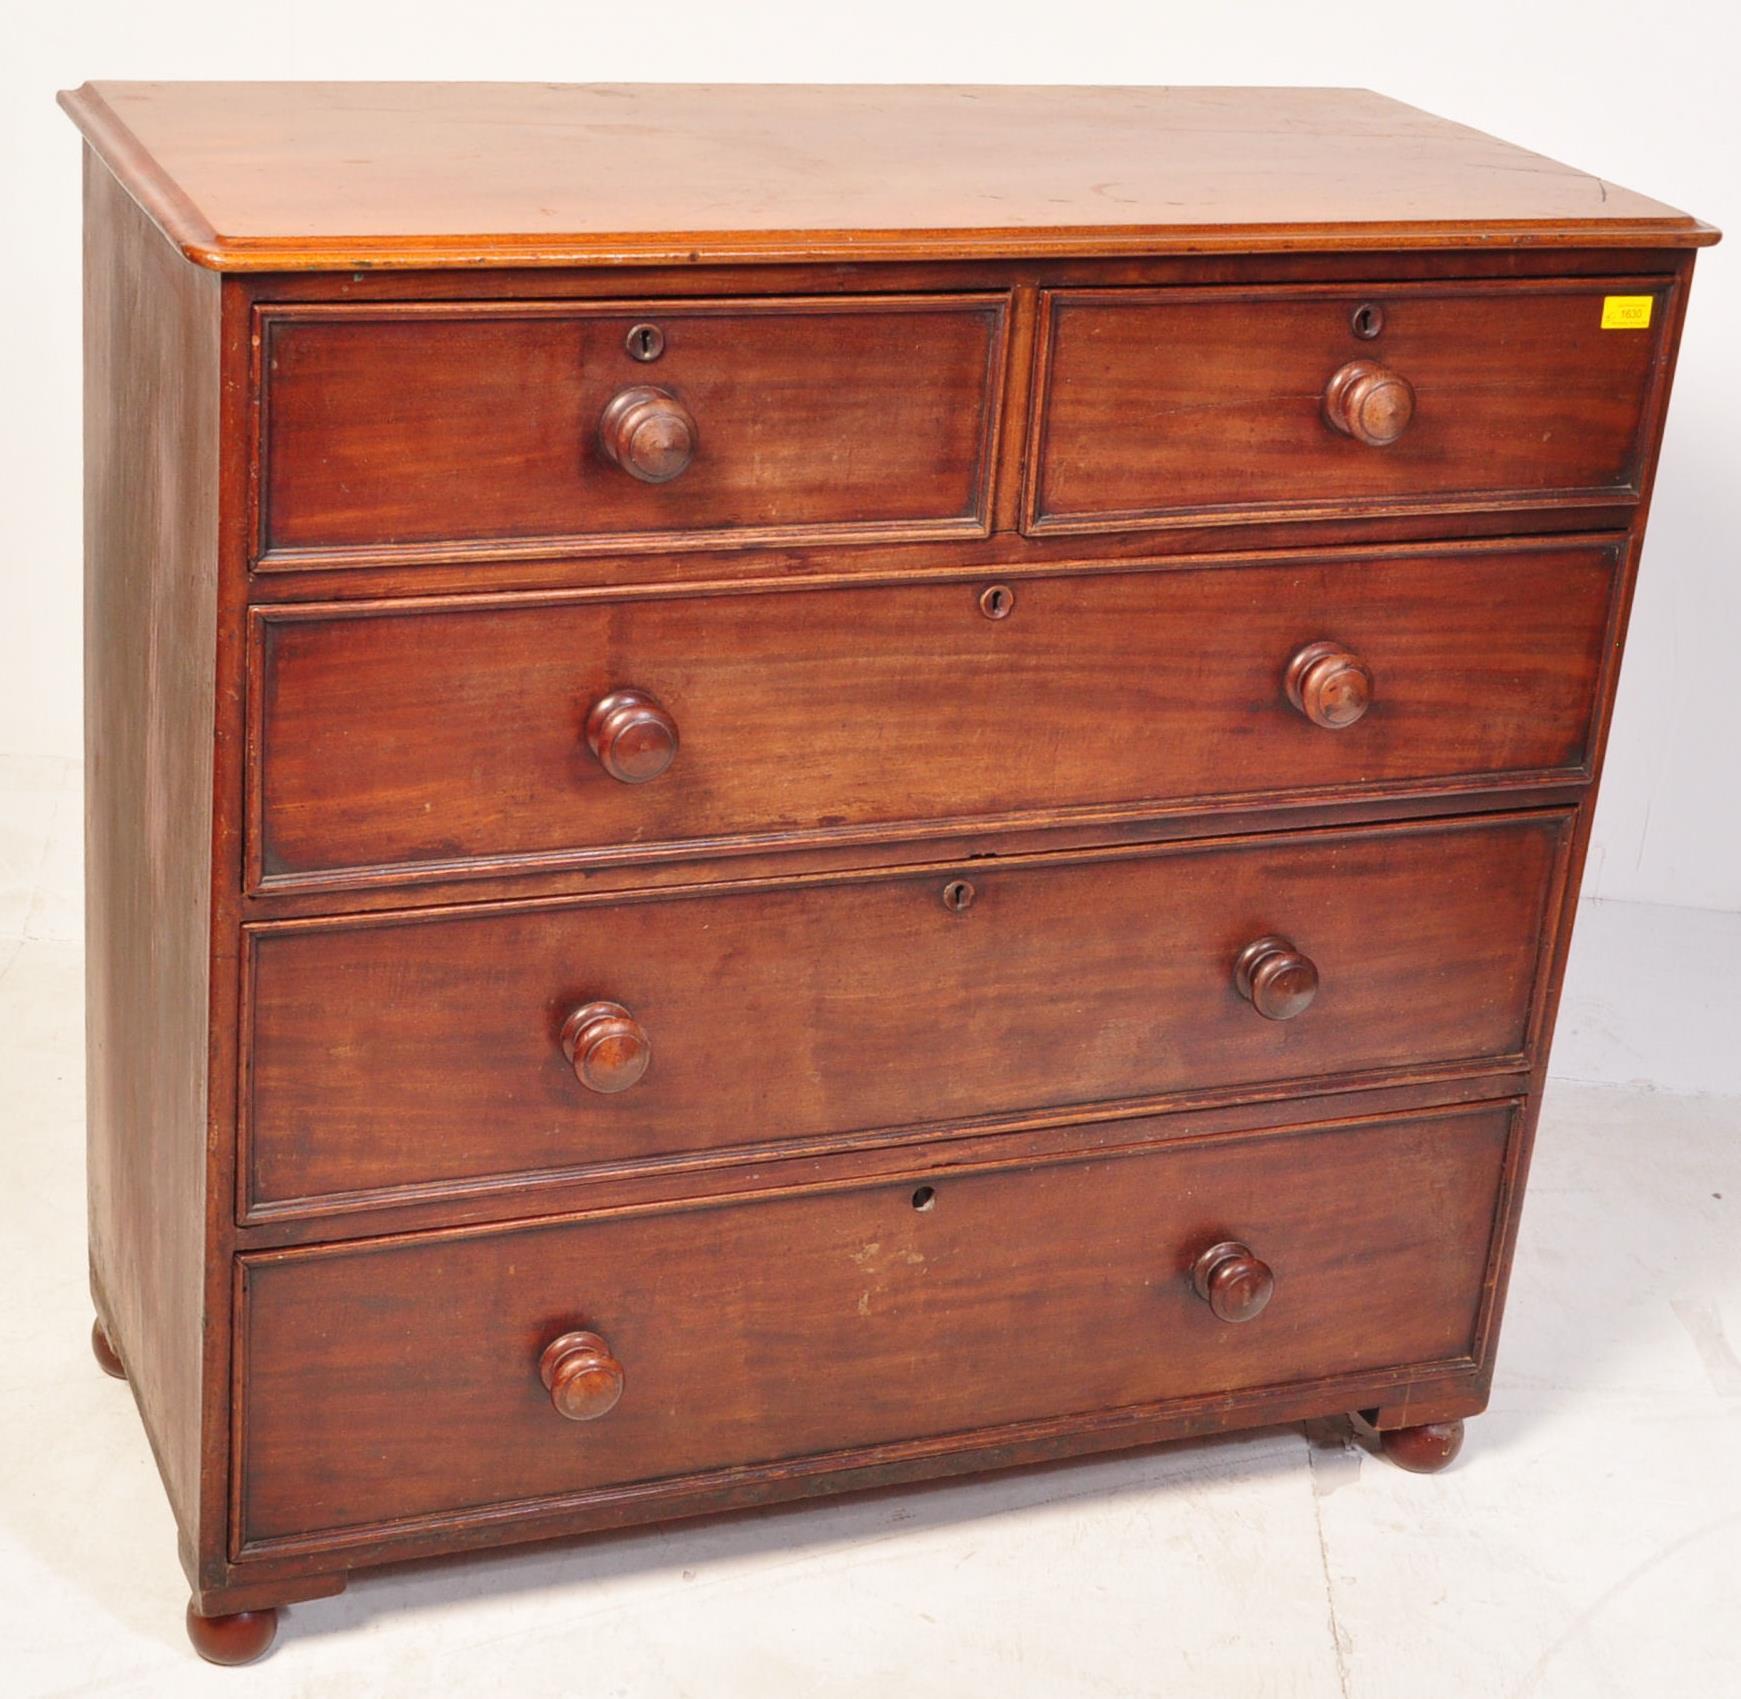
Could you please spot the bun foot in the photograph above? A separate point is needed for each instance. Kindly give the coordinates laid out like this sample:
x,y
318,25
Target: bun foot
x,y
1424,1450
108,1358
238,1639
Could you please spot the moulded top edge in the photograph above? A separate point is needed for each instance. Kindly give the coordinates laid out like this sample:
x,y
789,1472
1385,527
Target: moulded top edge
x,y
274,177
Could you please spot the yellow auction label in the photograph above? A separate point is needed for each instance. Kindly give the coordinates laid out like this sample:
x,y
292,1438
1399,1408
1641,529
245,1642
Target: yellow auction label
x,y
1626,312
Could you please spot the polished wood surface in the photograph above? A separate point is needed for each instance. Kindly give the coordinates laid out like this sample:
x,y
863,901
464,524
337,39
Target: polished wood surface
x,y
1424,1449
331,176
474,757
606,1046
1032,1135
1329,684
835,1320
1161,406
582,1377
151,504
1236,1284
648,431
1367,401
1276,979
827,1007
798,789
236,1637
430,429
103,1349
631,736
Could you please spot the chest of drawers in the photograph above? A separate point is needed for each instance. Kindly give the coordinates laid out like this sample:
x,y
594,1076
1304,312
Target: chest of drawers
x,y
799,788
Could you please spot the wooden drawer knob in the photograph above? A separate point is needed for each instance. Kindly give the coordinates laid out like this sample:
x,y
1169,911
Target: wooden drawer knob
x,y
1275,978
1234,1283
1330,685
584,1379
632,735
649,433
609,1048
1369,402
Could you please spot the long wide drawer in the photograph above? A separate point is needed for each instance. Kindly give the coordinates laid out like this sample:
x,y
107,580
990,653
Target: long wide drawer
x,y
394,1380
405,1050
1185,406
416,740
433,433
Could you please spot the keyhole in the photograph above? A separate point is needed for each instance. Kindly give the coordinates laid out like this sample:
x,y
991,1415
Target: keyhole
x,y
645,342
925,1198
997,601
1368,320
958,896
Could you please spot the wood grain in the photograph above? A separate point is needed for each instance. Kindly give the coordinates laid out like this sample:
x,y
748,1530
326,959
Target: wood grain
x,y
151,339
392,1052
333,176
1160,408
830,713
777,1164
431,429
743,883
825,1321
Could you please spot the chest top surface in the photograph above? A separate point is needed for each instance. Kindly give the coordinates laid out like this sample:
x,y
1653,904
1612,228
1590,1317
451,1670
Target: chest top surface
x,y
327,176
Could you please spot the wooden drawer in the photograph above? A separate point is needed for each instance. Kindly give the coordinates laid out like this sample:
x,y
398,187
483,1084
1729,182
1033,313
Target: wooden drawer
x,y
748,1335
1165,407
425,1052
430,433
423,739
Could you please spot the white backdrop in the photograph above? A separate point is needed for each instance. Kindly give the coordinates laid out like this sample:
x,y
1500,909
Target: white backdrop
x,y
1641,95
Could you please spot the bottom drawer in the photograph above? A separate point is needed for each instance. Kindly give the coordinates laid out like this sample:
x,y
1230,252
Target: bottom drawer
x,y
401,1379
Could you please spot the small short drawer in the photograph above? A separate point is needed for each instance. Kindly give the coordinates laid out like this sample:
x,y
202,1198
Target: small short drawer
x,y
439,1054
1161,407
562,1365
436,433
429,739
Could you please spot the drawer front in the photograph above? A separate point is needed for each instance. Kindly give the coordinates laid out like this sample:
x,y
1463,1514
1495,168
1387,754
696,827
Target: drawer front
x,y
435,433
827,1322
1179,406
430,1051
432,738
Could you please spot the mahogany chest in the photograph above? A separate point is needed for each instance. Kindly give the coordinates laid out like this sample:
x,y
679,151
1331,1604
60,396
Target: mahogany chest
x,y
795,788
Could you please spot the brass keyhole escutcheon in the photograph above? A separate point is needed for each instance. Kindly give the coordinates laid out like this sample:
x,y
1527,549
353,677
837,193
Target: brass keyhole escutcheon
x,y
1367,320
997,601
958,896
645,342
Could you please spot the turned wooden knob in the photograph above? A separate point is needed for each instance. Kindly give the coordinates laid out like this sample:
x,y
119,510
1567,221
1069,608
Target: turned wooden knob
x,y
1369,402
632,735
584,1379
609,1048
649,433
1275,978
1233,1282
1330,685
